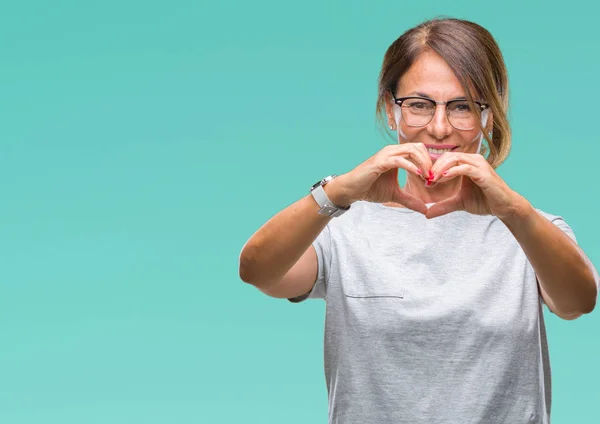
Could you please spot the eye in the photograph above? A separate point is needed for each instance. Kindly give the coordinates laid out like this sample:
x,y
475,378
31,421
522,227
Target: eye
x,y
461,107
418,105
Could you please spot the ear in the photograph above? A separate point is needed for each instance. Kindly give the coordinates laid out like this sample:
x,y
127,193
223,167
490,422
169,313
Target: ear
x,y
490,122
389,110
489,125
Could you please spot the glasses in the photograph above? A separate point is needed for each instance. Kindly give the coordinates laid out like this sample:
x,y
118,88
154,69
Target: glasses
x,y
418,111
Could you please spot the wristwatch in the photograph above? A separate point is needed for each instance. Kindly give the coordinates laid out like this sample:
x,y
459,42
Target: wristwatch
x,y
327,206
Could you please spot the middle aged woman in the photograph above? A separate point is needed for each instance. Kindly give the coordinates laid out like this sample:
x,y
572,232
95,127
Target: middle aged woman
x,y
430,320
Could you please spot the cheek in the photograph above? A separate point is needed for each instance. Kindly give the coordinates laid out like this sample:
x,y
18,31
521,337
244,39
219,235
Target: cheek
x,y
471,139
406,133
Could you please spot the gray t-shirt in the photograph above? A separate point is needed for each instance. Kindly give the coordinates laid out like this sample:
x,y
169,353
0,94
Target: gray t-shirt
x,y
430,321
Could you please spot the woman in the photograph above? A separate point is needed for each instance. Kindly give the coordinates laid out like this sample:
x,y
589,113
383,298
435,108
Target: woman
x,y
430,320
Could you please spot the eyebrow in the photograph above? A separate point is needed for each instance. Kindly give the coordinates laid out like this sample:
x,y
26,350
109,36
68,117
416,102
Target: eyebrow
x,y
429,97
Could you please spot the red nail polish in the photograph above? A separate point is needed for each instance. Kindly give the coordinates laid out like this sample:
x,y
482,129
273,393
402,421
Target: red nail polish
x,y
428,183
430,175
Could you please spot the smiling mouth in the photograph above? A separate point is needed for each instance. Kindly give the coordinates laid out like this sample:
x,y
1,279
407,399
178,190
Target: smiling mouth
x,y
435,151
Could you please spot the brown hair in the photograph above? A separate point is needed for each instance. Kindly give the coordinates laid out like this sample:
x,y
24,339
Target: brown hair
x,y
473,55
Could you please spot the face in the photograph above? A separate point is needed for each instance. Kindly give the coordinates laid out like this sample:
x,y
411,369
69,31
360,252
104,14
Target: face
x,y
431,77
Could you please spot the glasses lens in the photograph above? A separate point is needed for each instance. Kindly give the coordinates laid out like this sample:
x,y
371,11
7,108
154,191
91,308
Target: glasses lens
x,y
461,115
417,112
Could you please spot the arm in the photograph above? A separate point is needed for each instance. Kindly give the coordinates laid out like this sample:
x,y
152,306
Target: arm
x,y
567,279
279,259
566,276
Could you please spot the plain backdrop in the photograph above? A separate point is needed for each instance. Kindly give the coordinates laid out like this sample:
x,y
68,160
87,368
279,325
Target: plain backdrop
x,y
143,142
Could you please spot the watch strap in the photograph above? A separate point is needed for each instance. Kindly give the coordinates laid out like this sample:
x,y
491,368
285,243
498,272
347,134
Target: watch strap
x,y
328,208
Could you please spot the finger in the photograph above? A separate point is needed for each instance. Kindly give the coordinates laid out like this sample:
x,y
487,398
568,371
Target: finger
x,y
400,162
444,207
449,160
423,159
476,174
416,153
410,201
455,171
443,163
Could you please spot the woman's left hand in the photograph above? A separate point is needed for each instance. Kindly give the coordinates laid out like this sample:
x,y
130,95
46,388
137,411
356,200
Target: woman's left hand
x,y
482,191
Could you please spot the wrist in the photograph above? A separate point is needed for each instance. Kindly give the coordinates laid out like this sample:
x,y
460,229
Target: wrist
x,y
520,211
337,193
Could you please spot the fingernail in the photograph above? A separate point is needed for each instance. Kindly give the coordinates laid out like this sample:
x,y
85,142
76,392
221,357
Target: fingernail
x,y
428,183
445,173
430,175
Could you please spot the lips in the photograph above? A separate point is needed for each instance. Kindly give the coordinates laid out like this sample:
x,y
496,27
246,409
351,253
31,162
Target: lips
x,y
441,146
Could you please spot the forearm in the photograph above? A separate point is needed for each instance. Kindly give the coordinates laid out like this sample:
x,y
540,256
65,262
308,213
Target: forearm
x,y
274,249
564,272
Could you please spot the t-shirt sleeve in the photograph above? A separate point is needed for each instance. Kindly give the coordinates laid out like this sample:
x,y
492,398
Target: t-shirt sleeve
x,y
322,245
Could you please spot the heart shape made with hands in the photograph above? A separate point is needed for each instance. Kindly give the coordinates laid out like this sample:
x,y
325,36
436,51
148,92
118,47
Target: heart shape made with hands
x,y
482,191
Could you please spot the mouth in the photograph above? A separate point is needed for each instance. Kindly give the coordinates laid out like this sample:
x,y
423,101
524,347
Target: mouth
x,y
435,151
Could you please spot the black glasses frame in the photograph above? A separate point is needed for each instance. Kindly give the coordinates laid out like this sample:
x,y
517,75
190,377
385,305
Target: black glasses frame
x,y
399,100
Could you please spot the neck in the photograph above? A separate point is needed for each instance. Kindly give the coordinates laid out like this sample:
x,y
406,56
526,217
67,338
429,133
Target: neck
x,y
416,186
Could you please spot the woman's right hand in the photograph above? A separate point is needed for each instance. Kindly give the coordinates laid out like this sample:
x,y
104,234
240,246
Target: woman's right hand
x,y
376,179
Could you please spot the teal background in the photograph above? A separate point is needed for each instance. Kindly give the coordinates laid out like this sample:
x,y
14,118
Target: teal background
x,y
144,142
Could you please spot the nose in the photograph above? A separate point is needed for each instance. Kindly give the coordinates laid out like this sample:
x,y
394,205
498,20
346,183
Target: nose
x,y
439,127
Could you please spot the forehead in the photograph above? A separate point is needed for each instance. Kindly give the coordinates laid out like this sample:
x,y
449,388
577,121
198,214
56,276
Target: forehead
x,y
430,75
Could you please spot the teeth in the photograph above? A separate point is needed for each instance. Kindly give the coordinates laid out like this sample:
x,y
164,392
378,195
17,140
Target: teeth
x,y
438,151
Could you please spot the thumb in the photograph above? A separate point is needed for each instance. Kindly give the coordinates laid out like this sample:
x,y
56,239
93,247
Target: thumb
x,y
408,200
446,206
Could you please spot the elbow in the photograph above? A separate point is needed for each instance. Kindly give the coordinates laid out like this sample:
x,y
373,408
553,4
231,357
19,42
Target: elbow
x,y
593,282
570,317
591,304
246,273
585,307
248,268
245,265
592,298
245,276
588,303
